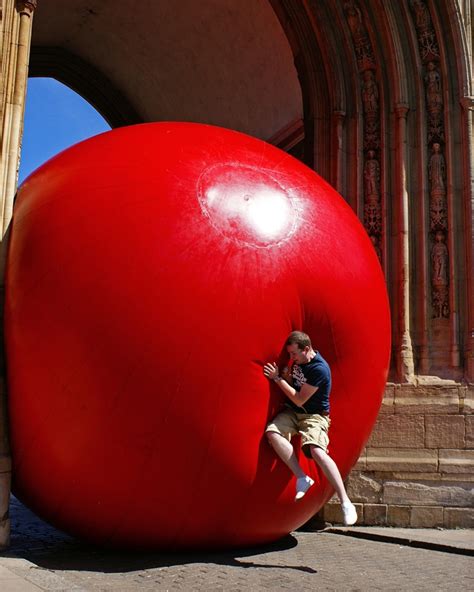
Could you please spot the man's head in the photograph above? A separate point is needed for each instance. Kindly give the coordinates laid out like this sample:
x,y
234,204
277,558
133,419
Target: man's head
x,y
299,348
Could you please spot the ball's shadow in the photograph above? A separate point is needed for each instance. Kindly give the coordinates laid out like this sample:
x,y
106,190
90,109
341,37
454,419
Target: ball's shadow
x,y
49,548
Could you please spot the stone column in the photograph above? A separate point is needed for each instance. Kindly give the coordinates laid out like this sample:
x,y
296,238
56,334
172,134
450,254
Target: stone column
x,y
404,352
15,45
14,80
468,135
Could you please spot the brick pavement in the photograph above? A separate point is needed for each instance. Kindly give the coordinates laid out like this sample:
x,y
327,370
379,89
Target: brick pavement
x,y
43,559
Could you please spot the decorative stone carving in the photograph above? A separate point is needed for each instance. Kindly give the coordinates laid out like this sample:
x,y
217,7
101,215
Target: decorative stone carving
x,y
370,95
26,6
438,206
372,177
422,16
440,276
434,96
371,122
362,45
428,44
438,203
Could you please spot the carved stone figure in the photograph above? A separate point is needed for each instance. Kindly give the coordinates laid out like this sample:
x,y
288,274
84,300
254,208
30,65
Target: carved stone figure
x,y
422,15
354,20
371,177
370,94
434,96
437,169
439,260
439,276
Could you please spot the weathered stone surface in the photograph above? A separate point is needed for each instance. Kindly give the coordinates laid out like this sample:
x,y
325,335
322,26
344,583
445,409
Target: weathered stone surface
x,y
402,476
428,494
456,461
398,516
401,459
332,513
361,464
363,488
426,516
413,399
408,476
469,431
445,431
388,402
402,431
375,514
459,518
467,400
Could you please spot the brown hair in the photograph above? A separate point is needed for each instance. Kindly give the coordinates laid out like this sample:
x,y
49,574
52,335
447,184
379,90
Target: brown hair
x,y
301,339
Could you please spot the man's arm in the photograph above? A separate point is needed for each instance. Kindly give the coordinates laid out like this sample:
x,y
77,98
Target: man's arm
x,y
299,398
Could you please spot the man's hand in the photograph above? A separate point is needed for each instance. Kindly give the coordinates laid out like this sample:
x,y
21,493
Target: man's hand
x,y
271,371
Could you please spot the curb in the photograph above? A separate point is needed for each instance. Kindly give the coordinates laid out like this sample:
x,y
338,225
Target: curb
x,y
400,541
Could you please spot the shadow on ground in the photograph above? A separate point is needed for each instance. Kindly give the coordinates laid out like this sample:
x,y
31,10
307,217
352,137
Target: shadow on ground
x,y
48,548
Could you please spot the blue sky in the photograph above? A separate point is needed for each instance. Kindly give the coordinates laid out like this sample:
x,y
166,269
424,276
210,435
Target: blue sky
x,y
55,117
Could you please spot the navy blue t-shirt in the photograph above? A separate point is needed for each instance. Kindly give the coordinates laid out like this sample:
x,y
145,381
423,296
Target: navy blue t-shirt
x,y
316,372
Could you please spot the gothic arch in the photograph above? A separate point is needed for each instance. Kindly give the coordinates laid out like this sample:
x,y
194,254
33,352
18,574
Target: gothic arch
x,y
86,80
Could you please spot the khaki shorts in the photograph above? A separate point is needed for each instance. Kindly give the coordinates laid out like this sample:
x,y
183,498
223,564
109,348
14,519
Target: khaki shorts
x,y
312,428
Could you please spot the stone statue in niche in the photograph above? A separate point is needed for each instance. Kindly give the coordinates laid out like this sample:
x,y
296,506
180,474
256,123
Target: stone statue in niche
x,y
354,20
439,276
372,208
371,175
422,15
437,169
370,94
434,96
437,176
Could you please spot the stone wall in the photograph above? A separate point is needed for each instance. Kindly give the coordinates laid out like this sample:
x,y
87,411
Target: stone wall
x,y
418,467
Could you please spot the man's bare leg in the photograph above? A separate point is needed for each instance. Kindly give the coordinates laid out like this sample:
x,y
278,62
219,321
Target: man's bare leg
x,y
286,452
330,469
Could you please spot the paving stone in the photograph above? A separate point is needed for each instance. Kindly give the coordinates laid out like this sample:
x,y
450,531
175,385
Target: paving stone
x,y
54,562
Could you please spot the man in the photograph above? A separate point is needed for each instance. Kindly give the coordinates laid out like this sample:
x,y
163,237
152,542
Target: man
x,y
307,414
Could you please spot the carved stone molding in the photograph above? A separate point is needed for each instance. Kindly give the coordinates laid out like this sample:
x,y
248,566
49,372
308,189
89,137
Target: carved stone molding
x,y
26,6
370,97
438,208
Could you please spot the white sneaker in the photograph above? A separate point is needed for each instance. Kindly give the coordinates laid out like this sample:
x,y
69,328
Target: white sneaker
x,y
349,513
302,486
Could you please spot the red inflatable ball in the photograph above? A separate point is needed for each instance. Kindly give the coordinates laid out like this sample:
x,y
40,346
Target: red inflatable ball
x,y
152,270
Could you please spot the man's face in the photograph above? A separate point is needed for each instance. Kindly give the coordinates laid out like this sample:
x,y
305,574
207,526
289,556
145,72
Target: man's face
x,y
297,355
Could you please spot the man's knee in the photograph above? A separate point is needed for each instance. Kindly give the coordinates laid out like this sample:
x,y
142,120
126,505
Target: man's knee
x,y
271,437
317,453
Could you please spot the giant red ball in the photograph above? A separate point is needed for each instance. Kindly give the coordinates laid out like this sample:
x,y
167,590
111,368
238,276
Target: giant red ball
x,y
152,270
